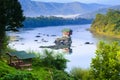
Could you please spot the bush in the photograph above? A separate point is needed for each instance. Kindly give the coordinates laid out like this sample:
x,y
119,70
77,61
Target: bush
x,y
50,60
106,64
41,72
10,73
80,74
5,69
19,76
61,75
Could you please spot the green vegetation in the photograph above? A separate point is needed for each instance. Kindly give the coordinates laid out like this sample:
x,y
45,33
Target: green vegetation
x,y
50,65
53,21
51,60
80,74
5,69
11,18
106,64
10,73
108,24
47,66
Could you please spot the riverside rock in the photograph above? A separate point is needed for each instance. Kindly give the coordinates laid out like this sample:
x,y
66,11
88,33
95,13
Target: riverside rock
x,y
63,42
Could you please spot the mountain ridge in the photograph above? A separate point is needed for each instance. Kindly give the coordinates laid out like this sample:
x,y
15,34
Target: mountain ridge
x,y
100,11
36,8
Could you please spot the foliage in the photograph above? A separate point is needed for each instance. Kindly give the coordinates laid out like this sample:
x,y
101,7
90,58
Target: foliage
x,y
41,73
106,64
11,18
80,74
51,60
53,21
54,70
51,74
10,73
50,65
61,75
108,24
5,69
19,76
4,47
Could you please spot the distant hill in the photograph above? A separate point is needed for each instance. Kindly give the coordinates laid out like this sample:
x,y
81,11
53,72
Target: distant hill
x,y
35,8
100,11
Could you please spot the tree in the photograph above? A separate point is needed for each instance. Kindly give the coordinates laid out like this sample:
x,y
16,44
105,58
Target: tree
x,y
51,59
106,64
11,18
107,24
61,75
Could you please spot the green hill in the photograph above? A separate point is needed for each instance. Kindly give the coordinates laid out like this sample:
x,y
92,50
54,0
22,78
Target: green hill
x,y
108,24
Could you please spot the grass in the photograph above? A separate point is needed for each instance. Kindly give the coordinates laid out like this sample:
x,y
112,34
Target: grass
x,y
5,69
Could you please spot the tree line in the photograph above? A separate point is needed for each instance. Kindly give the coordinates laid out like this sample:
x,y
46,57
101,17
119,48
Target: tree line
x,y
53,21
108,24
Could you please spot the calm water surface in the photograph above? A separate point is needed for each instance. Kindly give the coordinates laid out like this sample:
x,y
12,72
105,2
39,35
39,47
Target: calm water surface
x,y
82,53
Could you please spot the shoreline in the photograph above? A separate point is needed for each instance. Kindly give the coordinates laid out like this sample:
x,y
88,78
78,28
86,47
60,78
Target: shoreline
x,y
101,34
80,51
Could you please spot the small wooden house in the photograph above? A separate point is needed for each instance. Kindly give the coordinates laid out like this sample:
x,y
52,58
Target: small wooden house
x,y
66,32
16,59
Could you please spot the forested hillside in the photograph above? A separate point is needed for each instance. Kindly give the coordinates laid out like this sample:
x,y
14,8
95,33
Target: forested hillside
x,y
108,24
53,21
36,8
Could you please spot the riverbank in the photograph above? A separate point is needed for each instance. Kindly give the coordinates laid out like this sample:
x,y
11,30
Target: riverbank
x,y
103,34
32,40
107,24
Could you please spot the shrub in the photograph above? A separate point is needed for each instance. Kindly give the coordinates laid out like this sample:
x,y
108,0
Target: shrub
x,y
61,75
5,69
19,76
80,74
51,60
106,64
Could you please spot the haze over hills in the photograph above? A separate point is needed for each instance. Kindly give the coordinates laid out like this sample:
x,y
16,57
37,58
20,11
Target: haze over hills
x,y
101,11
35,8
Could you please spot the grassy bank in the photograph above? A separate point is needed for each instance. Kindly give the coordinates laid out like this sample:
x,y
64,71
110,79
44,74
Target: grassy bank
x,y
47,66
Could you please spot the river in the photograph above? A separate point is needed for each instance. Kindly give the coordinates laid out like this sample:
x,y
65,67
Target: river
x,y
81,53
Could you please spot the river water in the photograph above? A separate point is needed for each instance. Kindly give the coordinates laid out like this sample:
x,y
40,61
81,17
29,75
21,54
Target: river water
x,y
81,53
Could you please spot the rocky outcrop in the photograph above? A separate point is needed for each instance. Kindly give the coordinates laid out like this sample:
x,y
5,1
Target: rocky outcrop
x,y
62,43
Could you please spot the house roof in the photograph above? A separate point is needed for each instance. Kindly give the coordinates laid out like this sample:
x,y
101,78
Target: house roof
x,y
23,55
66,30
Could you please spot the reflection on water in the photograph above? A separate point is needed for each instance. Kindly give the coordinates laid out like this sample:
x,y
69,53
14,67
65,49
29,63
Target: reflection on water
x,y
83,44
81,52
106,39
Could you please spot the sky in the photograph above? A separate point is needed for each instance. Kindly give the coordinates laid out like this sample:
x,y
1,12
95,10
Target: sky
x,y
108,2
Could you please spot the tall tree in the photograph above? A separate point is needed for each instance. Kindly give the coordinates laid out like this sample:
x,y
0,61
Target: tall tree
x,y
11,18
106,64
